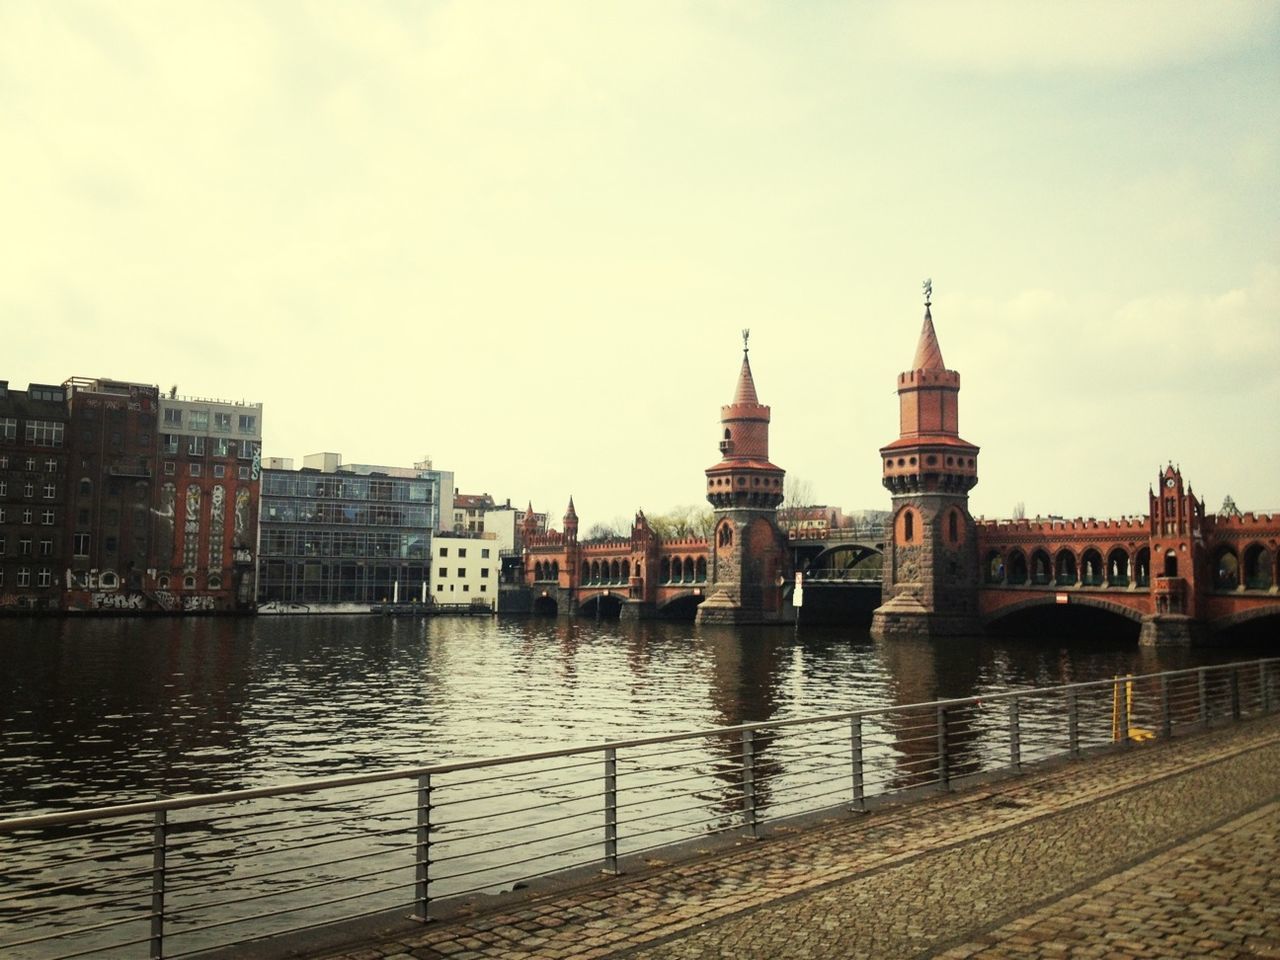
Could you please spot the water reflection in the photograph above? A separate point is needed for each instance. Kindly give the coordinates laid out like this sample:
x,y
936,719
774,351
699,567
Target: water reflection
x,y
111,710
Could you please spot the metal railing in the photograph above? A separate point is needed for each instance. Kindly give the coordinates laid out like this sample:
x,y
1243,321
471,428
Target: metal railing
x,y
852,575
173,877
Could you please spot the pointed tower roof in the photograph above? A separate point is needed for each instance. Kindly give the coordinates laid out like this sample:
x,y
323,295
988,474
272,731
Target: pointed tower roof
x,y
571,512
928,353
746,392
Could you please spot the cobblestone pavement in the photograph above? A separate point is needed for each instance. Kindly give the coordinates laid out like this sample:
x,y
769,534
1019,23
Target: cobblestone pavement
x,y
1166,850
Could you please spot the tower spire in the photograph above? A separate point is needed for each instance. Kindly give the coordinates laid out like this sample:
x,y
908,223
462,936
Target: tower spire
x,y
928,353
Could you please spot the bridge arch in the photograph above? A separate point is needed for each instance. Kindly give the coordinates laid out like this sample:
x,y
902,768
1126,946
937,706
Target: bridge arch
x,y
1267,617
1258,564
605,606
545,606
1118,567
993,567
683,606
1016,566
1085,613
1064,568
857,551
1226,567
1091,568
1041,567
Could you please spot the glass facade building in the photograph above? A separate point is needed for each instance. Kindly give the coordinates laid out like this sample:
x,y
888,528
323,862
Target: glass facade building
x,y
346,538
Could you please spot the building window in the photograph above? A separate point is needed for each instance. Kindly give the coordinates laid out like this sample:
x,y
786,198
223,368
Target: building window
x,y
44,433
163,583
172,417
170,442
195,446
1,544
109,544
24,547
199,420
466,588
484,553
8,429
1,514
29,490
484,588
219,470
80,543
462,571
462,551
50,491
484,572
443,571
248,424
4,488
144,439
188,582
221,447
243,473
439,588
86,486
193,469
108,581
26,517
170,468
46,518
215,582
46,548
24,577
44,578
51,466
222,422
4,463
444,551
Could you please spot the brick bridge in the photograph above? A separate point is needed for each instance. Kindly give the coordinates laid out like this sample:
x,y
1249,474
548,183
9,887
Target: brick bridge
x,y
937,571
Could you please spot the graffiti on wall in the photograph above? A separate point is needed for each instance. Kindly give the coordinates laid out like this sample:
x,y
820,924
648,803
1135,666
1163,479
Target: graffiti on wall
x,y
118,601
217,524
191,531
196,604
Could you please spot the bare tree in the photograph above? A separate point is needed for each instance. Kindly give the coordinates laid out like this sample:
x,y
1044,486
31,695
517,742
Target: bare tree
x,y
797,492
684,521
1019,511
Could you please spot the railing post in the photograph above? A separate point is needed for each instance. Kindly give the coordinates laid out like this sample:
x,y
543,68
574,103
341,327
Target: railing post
x,y
855,748
1235,694
158,833
944,772
1073,724
1122,688
1203,684
1015,737
422,852
1166,714
611,811
749,782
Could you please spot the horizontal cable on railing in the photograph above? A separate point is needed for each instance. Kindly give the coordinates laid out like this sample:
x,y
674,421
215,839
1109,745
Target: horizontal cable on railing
x,y
804,798
456,822
310,825
90,951
239,879
228,857
515,863
509,811
515,844
134,897
89,928
508,775
289,930
108,879
513,882
202,906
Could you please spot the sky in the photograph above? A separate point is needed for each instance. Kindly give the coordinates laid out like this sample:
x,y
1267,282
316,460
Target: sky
x,y
523,238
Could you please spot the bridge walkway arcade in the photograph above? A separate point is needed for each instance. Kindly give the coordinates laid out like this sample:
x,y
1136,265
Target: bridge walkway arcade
x,y
1171,848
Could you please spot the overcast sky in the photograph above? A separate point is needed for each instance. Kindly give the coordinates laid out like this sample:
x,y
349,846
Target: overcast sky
x,y
523,237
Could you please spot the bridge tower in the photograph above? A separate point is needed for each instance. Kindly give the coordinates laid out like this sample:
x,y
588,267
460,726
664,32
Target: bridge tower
x,y
748,551
931,559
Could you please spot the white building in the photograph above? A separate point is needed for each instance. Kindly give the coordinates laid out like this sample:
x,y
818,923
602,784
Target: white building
x,y
464,569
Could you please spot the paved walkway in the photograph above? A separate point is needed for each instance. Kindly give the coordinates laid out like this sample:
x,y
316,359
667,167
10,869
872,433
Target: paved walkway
x,y
1167,850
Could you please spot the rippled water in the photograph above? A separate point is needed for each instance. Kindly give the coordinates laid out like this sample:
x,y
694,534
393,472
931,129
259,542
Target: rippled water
x,y
99,711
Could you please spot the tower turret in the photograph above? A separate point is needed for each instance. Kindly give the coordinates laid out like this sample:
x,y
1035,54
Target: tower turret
x,y
931,561
571,523
748,551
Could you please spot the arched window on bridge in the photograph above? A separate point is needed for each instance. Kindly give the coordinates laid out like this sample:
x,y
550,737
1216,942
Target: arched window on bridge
x,y
1142,567
537,570
688,569
555,570
677,570
1091,568
1170,564
664,570
595,571
1064,568
1257,567
1226,569
626,570
615,571
702,570
1118,567
586,572
1041,568
1017,567
993,567
908,526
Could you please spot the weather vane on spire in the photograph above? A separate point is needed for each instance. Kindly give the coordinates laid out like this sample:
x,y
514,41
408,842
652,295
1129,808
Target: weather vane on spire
x,y
746,335
928,292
